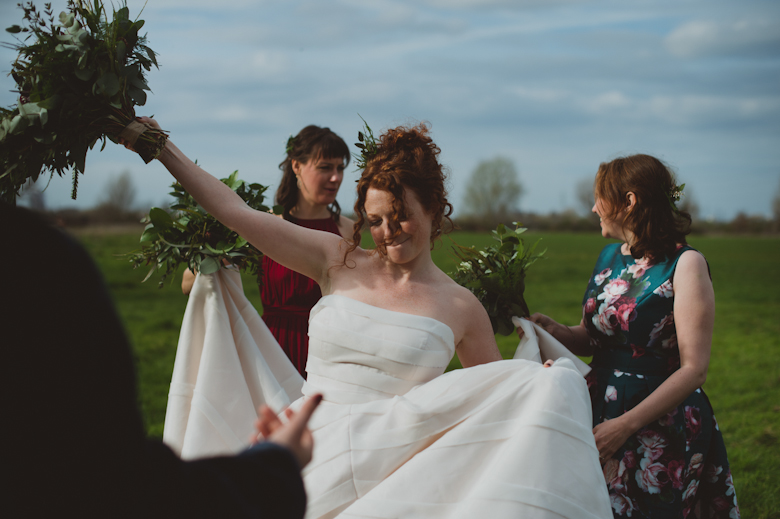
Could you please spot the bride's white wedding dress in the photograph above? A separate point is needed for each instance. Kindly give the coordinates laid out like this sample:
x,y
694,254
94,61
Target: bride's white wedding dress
x,y
394,437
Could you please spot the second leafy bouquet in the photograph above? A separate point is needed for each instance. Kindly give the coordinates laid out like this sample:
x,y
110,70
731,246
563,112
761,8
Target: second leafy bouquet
x,y
189,235
496,275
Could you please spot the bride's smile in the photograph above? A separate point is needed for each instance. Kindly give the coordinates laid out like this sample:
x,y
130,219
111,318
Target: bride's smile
x,y
401,241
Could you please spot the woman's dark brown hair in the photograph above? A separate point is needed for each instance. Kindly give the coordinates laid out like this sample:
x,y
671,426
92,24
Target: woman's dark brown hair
x,y
312,142
406,158
656,223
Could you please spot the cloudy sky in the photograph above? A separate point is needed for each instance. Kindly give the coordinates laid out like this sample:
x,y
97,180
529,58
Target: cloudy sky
x,y
557,86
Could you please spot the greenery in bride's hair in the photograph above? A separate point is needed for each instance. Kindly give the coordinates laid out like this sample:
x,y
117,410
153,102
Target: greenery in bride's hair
x,y
496,275
191,236
78,78
367,145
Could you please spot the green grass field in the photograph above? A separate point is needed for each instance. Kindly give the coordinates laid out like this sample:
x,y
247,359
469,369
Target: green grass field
x,y
744,376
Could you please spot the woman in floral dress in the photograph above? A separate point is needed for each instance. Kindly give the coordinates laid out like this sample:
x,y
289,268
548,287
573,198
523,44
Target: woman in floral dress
x,y
648,315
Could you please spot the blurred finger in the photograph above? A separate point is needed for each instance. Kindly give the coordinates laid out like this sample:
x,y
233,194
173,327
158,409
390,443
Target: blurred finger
x,y
301,418
268,422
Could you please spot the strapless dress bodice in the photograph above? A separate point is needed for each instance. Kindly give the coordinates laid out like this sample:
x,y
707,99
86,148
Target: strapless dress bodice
x,y
359,352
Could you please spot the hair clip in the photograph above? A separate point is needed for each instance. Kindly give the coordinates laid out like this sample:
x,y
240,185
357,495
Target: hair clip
x,y
674,196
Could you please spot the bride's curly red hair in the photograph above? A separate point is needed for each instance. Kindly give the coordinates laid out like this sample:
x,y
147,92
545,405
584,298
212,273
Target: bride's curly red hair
x,y
406,158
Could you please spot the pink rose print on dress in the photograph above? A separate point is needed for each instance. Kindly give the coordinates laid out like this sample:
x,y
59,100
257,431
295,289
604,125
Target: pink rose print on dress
x,y
590,306
669,418
626,311
734,513
622,504
692,422
610,395
606,319
695,465
629,459
639,267
639,351
690,492
711,473
665,289
613,290
664,329
675,472
601,276
651,476
652,444
611,473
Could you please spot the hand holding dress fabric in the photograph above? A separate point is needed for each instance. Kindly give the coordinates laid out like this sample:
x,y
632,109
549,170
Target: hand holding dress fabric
x,y
539,346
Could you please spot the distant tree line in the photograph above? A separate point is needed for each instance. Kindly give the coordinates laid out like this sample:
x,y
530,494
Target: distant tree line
x,y
494,192
492,197
117,205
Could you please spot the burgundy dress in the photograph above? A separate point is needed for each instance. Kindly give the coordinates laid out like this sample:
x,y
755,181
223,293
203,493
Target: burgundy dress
x,y
288,297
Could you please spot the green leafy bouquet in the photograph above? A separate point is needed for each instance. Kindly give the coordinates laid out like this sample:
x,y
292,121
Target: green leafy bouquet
x,y
496,275
195,238
78,81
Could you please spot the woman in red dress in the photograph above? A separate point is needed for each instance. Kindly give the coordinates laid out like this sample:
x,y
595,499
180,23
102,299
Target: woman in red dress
x,y
312,173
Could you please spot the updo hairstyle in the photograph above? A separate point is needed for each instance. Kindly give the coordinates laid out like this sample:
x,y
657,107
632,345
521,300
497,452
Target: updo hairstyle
x,y
656,223
311,143
406,158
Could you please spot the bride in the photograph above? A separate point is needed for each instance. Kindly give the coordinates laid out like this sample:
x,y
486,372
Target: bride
x,y
393,436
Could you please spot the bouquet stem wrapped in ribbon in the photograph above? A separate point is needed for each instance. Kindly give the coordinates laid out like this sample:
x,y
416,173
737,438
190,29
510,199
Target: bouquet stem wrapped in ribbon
x,y
79,79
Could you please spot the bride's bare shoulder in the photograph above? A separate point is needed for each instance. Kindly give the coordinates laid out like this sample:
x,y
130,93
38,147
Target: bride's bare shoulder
x,y
463,301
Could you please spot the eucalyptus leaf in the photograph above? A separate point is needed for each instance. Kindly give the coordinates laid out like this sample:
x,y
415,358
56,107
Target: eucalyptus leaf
x,y
108,84
149,235
121,51
209,265
160,218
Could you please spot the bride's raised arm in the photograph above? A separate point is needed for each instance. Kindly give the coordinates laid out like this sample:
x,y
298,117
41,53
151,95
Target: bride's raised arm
x,y
304,250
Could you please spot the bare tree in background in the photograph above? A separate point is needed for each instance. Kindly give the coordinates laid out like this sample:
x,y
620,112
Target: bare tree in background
x,y
584,195
494,191
120,194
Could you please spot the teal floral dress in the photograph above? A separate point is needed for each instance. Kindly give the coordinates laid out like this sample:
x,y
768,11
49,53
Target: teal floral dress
x,y
673,467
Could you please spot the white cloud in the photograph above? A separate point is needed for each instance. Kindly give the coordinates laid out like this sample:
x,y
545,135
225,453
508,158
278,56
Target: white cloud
x,y
714,38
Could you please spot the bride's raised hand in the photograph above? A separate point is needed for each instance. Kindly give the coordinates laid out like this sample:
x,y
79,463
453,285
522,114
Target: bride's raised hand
x,y
127,137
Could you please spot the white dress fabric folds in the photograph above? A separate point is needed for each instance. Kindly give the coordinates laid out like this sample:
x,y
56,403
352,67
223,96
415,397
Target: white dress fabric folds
x,y
227,365
396,438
